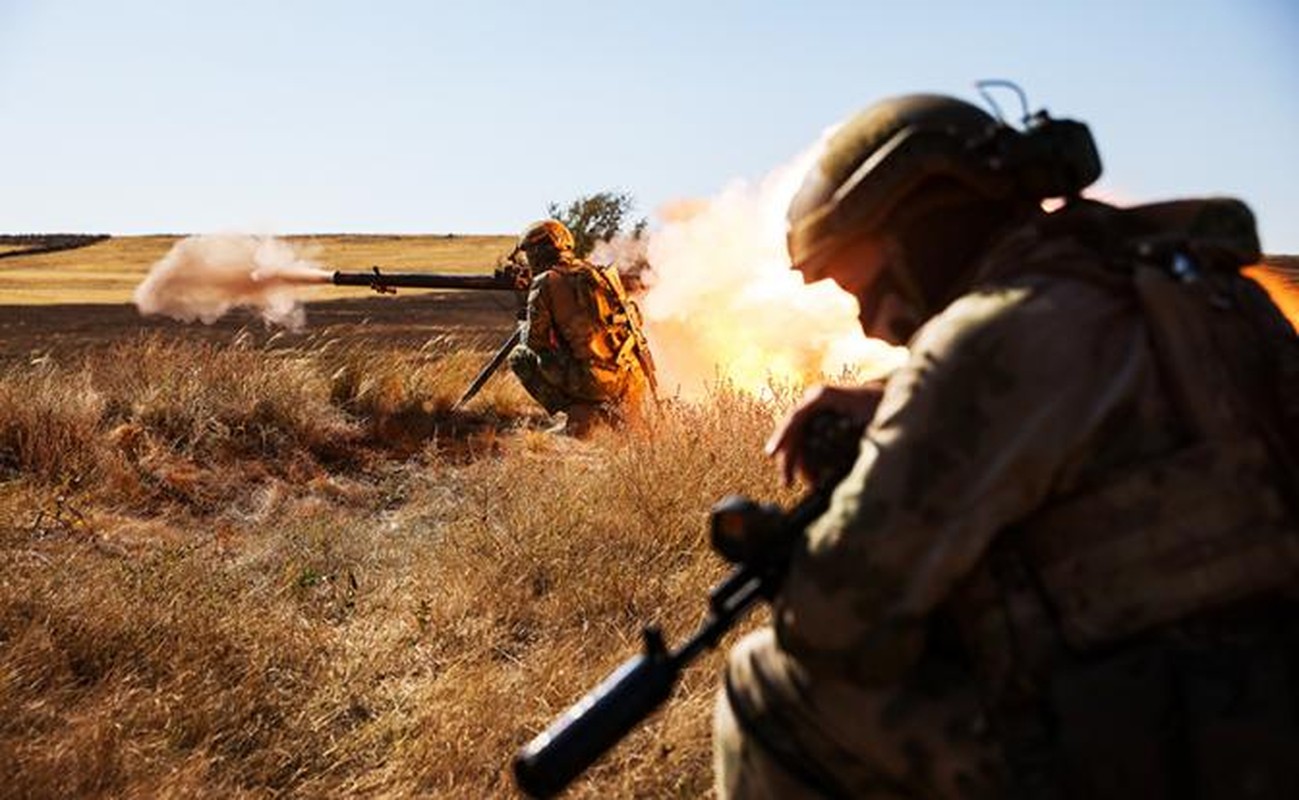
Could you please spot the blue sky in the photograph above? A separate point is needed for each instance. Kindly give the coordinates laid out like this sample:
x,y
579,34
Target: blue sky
x,y
136,117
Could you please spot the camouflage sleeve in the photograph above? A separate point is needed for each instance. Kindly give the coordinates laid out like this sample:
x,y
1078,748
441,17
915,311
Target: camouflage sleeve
x,y
1000,391
539,326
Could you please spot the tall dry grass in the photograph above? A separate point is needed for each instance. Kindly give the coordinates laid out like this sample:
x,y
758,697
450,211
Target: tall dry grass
x,y
235,572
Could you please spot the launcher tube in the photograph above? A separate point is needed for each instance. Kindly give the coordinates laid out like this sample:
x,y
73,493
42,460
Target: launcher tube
x,y
388,282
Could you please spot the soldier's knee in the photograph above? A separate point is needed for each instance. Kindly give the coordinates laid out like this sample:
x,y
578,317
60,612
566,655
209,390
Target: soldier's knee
x,y
742,767
727,747
761,639
531,371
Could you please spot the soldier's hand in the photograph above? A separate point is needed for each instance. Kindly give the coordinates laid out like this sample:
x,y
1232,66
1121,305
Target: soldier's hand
x,y
789,443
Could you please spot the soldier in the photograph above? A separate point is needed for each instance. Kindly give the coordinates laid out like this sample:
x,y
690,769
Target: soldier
x,y
1066,561
582,350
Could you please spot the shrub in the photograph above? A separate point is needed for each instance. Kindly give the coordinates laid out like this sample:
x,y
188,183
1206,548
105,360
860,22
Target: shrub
x,y
596,218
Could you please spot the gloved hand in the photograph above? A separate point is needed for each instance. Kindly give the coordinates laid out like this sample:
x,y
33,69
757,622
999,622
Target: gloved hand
x,y
808,442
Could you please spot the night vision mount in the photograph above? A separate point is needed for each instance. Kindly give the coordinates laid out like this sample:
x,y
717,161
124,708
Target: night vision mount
x,y
1047,157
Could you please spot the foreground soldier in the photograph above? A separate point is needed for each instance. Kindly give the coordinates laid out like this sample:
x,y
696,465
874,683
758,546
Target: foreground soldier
x,y
582,350
1066,561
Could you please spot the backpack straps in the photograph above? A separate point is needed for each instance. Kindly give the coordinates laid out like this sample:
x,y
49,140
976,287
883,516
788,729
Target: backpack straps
x,y
627,316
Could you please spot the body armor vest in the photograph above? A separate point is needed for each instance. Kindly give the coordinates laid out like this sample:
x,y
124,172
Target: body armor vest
x,y
1213,522
1138,635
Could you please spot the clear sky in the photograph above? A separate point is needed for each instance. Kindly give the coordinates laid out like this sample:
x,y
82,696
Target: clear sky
x,y
385,116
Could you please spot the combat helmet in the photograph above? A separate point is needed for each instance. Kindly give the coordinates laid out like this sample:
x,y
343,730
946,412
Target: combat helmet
x,y
935,175
545,241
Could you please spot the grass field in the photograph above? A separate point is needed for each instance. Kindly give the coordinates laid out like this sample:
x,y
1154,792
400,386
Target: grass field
x,y
107,272
242,563
237,572
236,562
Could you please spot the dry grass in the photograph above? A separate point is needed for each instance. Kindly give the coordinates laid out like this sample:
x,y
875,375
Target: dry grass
x,y
109,271
230,571
241,570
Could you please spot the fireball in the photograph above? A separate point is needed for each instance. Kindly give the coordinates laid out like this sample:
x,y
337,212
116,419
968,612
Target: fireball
x,y
1282,286
724,307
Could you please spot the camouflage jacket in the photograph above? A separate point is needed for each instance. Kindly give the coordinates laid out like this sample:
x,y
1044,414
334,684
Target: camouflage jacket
x,y
1028,392
569,314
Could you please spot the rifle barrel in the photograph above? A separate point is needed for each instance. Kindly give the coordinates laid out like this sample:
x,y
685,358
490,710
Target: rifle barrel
x,y
594,724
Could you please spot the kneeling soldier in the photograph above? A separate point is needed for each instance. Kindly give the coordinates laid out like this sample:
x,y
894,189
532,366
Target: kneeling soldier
x,y
582,350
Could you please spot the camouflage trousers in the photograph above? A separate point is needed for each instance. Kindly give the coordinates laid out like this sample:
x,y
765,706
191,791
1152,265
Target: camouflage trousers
x,y
561,385
778,733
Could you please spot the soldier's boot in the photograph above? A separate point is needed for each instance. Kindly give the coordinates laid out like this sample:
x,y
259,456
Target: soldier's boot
x,y
583,418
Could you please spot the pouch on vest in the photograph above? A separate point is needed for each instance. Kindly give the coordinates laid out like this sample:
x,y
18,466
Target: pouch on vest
x,y
1214,522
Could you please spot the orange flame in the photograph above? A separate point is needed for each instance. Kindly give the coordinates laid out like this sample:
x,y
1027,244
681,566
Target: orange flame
x,y
1282,288
723,305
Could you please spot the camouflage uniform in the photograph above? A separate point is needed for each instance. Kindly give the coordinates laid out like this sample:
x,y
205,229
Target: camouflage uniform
x,y
1050,477
581,350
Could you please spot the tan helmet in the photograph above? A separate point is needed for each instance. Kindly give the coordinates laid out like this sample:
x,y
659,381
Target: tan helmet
x,y
925,155
910,192
546,235
877,161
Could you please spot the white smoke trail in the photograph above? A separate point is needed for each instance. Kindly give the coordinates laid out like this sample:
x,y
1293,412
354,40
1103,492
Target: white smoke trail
x,y
203,277
723,303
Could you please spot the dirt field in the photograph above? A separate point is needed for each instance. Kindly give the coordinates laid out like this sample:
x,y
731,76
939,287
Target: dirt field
x,y
108,271
62,303
240,562
236,562
463,320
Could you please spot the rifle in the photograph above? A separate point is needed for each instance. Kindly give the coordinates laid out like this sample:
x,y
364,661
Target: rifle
x,y
758,538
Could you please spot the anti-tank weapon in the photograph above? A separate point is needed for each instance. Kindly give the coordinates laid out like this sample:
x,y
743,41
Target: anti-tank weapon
x,y
510,277
757,538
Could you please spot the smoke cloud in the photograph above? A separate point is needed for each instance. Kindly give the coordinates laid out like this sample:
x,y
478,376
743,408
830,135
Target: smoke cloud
x,y
203,277
723,304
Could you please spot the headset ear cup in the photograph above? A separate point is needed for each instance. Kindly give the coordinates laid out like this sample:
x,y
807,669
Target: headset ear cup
x,y
1076,151
1050,158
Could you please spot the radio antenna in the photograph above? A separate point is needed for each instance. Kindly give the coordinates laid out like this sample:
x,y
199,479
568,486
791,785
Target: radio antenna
x,y
997,83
